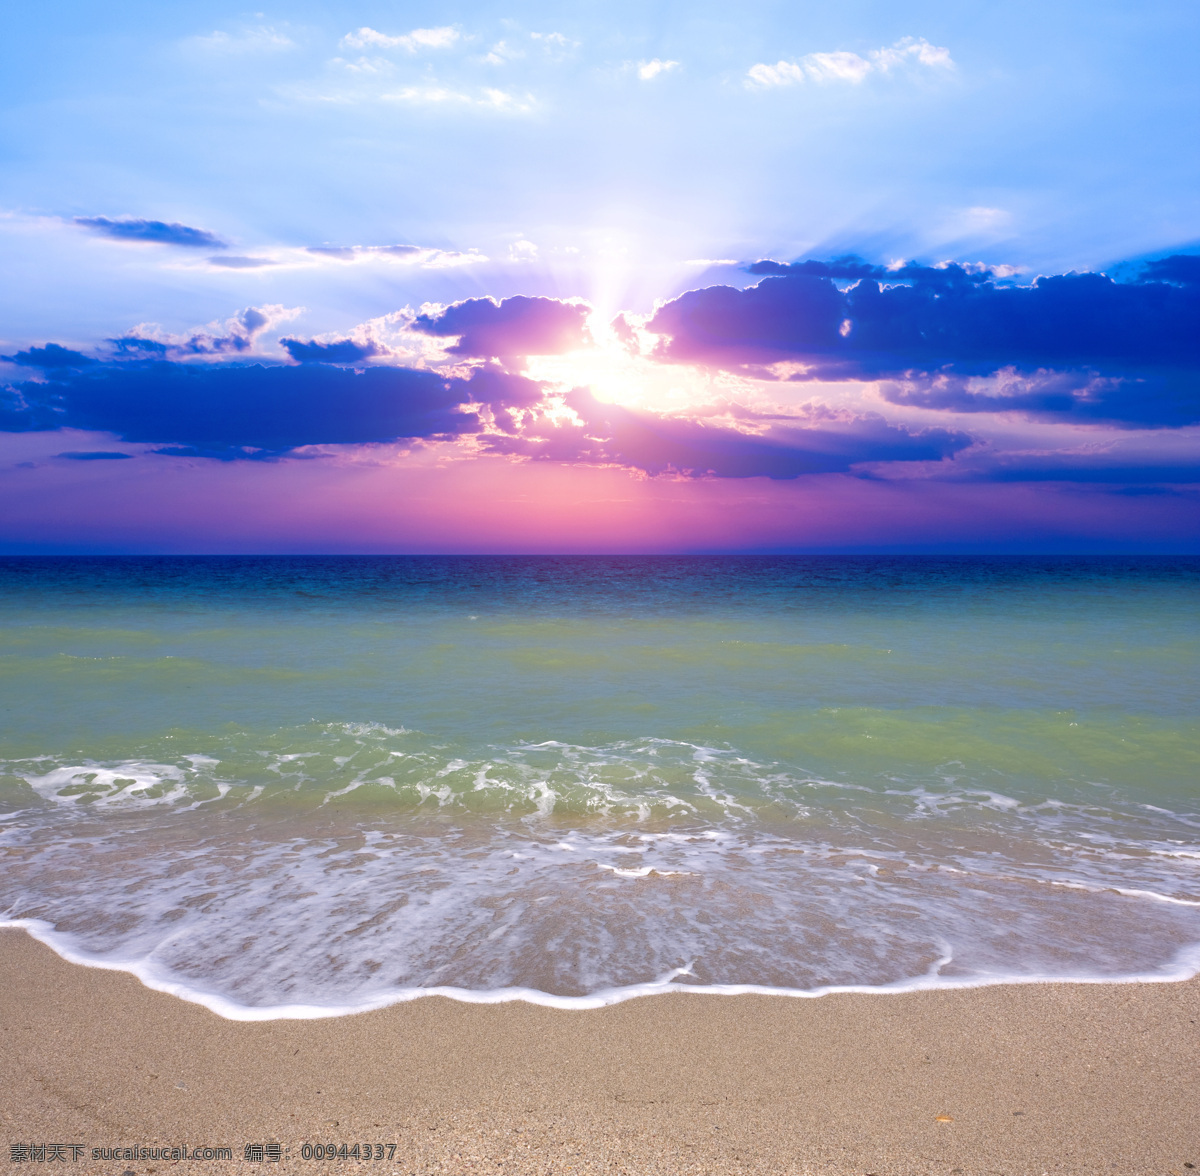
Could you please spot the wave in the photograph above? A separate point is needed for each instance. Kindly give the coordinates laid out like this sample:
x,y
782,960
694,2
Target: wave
x,y
335,867
1185,966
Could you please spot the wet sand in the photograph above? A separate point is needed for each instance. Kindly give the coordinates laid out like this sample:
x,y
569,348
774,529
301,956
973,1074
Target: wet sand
x,y
1017,1079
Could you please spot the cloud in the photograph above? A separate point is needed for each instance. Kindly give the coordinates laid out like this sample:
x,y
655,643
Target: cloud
x,y
794,315
651,69
657,443
502,53
261,39
335,351
512,327
509,397
439,38
1181,269
49,358
488,97
1131,350
244,411
1038,469
238,335
94,455
422,255
1141,398
252,412
158,232
842,66
522,250
240,262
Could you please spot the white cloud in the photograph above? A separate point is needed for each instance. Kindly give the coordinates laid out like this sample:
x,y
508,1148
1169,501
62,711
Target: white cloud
x,y
440,95
439,38
502,100
502,52
785,73
365,65
236,337
522,250
837,67
259,40
651,69
555,44
843,66
416,255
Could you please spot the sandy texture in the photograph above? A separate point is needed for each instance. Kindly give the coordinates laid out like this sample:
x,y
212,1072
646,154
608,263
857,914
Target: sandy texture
x,y
1040,1078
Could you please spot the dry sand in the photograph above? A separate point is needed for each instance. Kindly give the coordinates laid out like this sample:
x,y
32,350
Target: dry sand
x,y
1015,1079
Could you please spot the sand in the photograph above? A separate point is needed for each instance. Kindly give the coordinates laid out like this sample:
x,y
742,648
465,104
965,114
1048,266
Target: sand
x,y
1015,1079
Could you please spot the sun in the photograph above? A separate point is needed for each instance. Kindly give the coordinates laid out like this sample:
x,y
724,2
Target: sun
x,y
624,372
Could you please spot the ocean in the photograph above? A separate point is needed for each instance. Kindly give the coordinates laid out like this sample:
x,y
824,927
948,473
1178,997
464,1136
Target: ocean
x,y
306,786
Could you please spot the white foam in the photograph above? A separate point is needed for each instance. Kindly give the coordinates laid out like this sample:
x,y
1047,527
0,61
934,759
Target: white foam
x,y
1185,966
533,901
107,786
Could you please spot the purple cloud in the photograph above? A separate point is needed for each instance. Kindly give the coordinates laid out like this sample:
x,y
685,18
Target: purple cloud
x,y
1141,337
243,412
338,351
519,326
656,444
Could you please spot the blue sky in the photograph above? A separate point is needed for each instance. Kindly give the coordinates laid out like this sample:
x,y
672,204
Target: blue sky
x,y
1055,138
339,166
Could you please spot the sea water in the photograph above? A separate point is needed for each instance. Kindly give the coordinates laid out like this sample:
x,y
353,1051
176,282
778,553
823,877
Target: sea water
x,y
304,786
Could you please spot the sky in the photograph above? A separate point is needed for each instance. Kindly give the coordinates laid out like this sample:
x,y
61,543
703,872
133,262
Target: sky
x,y
611,277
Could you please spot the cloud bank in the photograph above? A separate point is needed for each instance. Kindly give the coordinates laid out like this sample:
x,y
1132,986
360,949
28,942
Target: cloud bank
x,y
1078,345
1072,362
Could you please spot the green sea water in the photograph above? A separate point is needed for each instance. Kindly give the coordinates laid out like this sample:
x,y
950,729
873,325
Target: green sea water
x,y
321,784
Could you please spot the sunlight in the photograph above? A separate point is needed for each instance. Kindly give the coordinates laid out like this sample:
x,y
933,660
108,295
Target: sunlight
x,y
624,373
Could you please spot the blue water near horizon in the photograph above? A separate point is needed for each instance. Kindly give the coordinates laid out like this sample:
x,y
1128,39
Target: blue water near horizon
x,y
309,785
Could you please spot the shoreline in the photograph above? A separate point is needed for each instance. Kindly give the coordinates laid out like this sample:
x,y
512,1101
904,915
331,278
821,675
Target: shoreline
x,y
1186,967
1021,1078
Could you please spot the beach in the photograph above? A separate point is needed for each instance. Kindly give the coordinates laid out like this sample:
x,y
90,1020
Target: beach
x,y
1015,1079
624,865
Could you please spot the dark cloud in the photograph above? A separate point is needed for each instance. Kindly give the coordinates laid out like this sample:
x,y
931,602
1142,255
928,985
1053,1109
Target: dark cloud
x,y
137,347
780,317
1183,269
1142,337
94,455
1105,468
660,444
852,268
235,412
1122,475
339,351
1146,398
49,358
160,232
244,411
513,327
